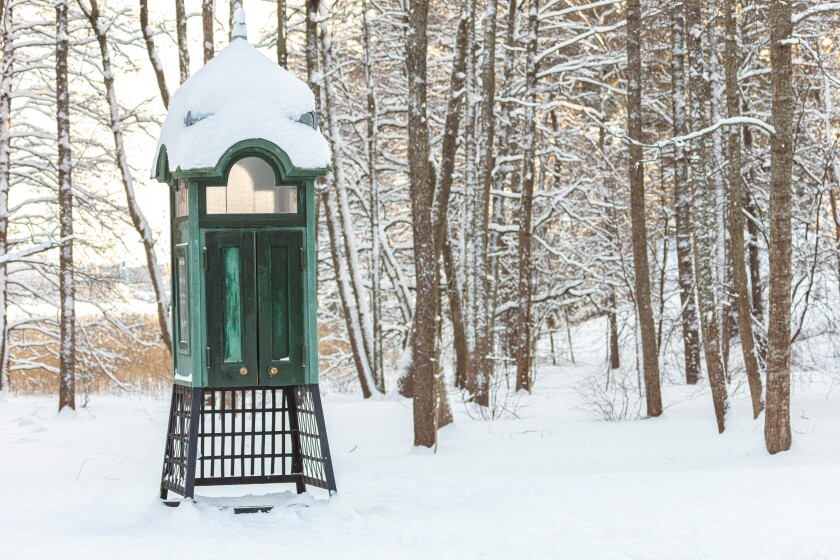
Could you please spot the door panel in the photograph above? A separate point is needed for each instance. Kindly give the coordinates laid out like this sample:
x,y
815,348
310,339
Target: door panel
x,y
231,309
280,293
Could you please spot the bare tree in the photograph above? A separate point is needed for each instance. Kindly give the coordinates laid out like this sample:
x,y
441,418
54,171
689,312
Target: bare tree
x,y
282,52
67,290
422,199
483,329
523,321
138,220
650,354
443,191
704,220
157,66
777,416
8,48
736,214
207,17
183,45
682,202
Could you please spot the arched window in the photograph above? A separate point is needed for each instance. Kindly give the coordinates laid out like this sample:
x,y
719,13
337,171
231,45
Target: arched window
x,y
251,189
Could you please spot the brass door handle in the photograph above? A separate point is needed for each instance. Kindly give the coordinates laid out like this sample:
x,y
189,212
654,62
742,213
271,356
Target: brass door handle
x,y
243,371
272,371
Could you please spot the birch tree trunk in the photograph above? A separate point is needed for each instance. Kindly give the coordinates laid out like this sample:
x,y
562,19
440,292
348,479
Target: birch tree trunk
x,y
8,49
138,220
282,52
777,416
329,204
682,203
157,66
372,118
422,199
207,16
341,215
650,359
523,316
719,202
704,221
67,290
183,46
736,215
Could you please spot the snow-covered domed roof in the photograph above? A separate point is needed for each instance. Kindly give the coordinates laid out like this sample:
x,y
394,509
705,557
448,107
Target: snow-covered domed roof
x,y
240,95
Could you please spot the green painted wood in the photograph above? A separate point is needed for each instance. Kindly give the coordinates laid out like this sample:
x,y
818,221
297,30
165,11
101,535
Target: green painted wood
x,y
281,309
231,294
297,344
254,147
198,334
232,304
310,299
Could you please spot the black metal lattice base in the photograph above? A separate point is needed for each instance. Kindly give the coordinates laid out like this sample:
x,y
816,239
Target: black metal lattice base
x,y
249,435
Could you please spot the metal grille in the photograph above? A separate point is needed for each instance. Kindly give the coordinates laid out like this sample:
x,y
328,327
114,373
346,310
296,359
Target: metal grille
x,y
314,461
176,454
256,435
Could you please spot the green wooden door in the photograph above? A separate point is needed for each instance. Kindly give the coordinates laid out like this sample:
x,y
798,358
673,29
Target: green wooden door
x,y
255,308
280,297
231,309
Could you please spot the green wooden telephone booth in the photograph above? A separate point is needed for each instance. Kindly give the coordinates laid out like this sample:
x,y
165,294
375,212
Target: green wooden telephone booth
x,y
240,151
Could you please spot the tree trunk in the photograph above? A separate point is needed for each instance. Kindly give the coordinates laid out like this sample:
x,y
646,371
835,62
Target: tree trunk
x,y
777,415
207,16
704,221
483,324
615,354
650,358
337,183
443,247
157,66
183,45
736,215
682,203
234,4
328,203
67,290
523,316
282,53
422,199
134,211
8,48
373,187
350,317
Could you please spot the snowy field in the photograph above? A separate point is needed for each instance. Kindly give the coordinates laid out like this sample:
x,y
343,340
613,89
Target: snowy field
x,y
550,484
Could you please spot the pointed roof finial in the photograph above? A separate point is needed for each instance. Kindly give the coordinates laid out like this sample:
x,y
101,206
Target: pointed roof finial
x,y
240,31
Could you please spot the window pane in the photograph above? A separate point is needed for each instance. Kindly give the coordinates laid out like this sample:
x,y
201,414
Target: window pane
x,y
251,190
216,200
232,305
286,199
182,207
183,306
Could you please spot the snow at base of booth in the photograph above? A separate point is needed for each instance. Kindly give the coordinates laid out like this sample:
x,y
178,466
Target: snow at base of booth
x,y
549,484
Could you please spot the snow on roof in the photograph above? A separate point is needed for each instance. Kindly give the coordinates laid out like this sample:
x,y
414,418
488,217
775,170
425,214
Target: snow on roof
x,y
240,95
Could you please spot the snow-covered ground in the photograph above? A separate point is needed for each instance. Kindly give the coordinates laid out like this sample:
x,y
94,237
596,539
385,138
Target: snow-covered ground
x,y
550,484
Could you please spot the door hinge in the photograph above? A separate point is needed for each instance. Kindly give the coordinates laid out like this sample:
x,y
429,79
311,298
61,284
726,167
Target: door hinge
x,y
302,258
207,352
303,355
204,257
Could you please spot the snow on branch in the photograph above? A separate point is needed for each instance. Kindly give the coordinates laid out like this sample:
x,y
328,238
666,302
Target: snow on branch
x,y
822,8
679,140
40,248
732,121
